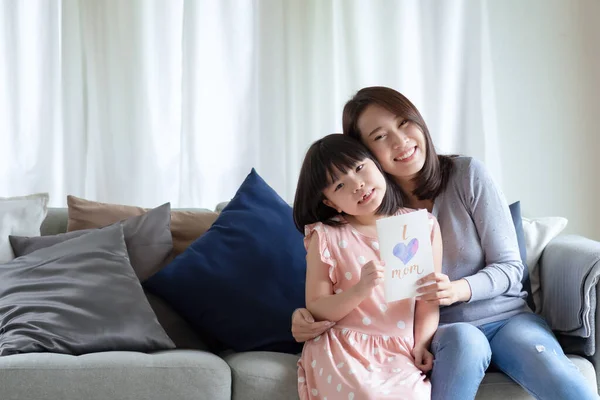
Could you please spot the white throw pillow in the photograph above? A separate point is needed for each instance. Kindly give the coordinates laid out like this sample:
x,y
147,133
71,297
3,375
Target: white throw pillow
x,y
20,216
538,233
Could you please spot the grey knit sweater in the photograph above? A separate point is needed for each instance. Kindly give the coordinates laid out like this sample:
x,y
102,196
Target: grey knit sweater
x,y
480,245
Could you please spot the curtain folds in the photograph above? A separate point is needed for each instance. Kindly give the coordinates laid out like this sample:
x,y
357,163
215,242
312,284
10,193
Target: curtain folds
x,y
144,102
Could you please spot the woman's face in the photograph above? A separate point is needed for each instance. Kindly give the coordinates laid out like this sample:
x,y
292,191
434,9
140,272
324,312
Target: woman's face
x,y
398,144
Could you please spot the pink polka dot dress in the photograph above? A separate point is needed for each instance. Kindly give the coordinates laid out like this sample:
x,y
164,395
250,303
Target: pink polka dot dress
x,y
368,353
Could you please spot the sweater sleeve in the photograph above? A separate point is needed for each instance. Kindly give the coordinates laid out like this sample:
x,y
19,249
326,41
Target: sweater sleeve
x,y
503,269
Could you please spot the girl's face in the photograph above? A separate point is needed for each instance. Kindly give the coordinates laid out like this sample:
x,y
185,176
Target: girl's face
x,y
398,145
359,191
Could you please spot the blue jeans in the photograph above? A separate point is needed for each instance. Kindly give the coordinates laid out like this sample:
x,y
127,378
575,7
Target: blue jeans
x,y
523,347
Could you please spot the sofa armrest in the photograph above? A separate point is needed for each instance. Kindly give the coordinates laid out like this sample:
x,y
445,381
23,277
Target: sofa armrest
x,y
569,272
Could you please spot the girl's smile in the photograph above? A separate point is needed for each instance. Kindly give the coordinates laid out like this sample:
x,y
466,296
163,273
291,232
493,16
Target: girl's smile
x,y
358,191
367,197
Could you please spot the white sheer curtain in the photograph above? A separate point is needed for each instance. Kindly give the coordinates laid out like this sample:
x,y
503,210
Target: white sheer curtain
x,y
31,134
143,102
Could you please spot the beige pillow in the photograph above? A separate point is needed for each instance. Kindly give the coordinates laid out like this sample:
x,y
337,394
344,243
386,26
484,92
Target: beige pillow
x,y
186,226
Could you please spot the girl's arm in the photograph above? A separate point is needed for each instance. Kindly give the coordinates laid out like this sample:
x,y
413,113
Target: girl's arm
x,y
427,314
320,300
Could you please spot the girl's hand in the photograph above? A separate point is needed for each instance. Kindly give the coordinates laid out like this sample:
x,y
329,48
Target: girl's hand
x,y
443,291
304,326
371,275
423,359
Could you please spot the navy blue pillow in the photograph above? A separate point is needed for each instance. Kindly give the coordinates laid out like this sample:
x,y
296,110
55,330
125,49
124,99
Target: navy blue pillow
x,y
241,281
515,212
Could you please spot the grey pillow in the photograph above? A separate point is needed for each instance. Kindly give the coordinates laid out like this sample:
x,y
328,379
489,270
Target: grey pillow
x,y
148,238
79,296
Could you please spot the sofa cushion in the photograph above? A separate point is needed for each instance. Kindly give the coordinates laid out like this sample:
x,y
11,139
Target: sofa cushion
x,y
266,375
498,386
147,236
20,216
186,226
79,296
174,374
263,375
241,281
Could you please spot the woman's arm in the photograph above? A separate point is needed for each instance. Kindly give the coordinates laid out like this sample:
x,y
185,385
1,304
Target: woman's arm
x,y
320,300
503,269
304,326
427,315
490,214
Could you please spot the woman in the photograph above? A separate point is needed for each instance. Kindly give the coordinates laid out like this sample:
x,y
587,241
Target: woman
x,y
483,317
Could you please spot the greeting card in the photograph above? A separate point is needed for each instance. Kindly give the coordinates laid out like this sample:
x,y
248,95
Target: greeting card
x,y
405,247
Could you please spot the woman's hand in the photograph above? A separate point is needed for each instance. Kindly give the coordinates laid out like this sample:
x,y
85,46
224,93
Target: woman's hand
x,y
423,359
304,326
442,291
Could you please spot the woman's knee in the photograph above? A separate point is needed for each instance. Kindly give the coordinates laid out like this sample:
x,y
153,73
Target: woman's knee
x,y
462,340
558,375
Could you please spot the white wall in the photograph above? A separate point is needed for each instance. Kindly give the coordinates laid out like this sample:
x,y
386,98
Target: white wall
x,y
546,56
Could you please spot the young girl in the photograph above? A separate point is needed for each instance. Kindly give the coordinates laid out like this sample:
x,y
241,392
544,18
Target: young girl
x,y
376,349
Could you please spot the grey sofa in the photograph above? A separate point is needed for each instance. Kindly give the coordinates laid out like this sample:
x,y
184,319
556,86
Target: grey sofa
x,y
190,372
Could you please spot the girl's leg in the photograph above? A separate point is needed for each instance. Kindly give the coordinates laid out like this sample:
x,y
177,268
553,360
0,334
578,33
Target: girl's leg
x,y
525,349
461,356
